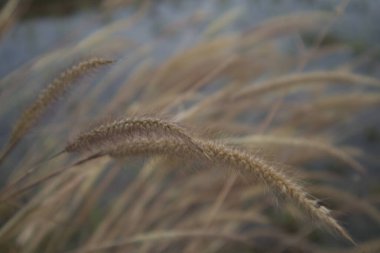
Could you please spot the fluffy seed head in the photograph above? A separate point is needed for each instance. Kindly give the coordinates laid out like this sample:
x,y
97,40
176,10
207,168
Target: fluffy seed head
x,y
219,154
120,131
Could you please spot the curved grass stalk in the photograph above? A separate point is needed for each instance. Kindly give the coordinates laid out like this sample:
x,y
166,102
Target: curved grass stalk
x,y
111,134
238,160
294,80
257,140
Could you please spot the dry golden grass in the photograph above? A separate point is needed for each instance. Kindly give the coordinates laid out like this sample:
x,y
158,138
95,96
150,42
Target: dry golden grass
x,y
224,130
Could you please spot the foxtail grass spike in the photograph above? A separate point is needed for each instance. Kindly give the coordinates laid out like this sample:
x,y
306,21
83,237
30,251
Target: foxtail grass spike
x,y
238,160
47,97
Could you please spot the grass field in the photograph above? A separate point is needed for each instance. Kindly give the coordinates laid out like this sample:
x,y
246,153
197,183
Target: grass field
x,y
240,138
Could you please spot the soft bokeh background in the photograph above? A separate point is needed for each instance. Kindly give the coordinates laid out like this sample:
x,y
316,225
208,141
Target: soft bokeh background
x,y
52,23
